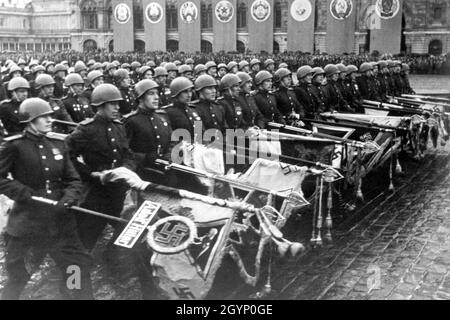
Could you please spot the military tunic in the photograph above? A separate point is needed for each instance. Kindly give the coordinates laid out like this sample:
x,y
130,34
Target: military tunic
x,y
78,107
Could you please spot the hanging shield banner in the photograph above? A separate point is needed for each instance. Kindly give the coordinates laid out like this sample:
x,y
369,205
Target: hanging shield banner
x,y
122,13
188,12
341,9
154,12
260,10
301,10
224,11
387,9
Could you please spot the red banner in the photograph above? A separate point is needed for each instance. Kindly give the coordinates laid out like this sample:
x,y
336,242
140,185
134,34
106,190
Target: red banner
x,y
189,25
224,25
123,25
155,24
341,26
260,25
301,25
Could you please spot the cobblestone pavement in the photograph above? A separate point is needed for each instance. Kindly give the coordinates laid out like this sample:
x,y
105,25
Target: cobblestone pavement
x,y
401,250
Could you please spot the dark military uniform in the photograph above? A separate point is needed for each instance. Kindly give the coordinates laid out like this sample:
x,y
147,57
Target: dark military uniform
x,y
304,94
181,116
267,104
59,113
234,112
367,88
335,98
398,85
251,114
287,102
103,145
393,90
384,86
128,104
149,135
9,116
320,99
59,88
406,85
40,166
164,99
78,107
212,115
353,95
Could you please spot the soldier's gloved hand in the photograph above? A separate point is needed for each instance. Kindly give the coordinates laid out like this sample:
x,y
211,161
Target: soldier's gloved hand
x,y
129,177
70,203
100,175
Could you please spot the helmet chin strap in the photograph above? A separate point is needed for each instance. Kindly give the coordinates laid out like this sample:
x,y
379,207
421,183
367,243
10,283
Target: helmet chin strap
x,y
32,128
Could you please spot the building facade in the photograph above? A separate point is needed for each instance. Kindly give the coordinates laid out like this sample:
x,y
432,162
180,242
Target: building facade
x,y
231,25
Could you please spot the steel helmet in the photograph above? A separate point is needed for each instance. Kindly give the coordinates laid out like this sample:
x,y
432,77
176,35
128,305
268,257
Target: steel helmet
x,y
382,64
243,64
262,76
317,71
184,68
125,66
189,61
351,69
48,64
303,71
90,62
231,65
268,62
391,64
110,66
161,71
179,85
105,93
43,80
254,61
374,64
33,63
21,62
72,79
244,77
366,66
342,68
18,83
117,63
94,75
199,68
283,65
60,67
79,66
405,67
97,66
14,68
210,64
33,108
229,80
143,70
38,68
222,66
143,86
177,62
135,65
282,72
120,74
151,64
331,69
171,67
204,81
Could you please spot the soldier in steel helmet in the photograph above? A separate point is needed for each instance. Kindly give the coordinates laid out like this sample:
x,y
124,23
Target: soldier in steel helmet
x,y
252,117
60,75
265,99
40,167
77,105
45,85
212,114
9,109
318,92
303,90
160,78
148,129
291,109
122,80
97,145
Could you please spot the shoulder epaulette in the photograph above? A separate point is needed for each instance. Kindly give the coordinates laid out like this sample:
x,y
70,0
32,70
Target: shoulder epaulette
x,y
168,106
161,111
12,138
56,136
220,98
129,115
5,101
87,121
117,121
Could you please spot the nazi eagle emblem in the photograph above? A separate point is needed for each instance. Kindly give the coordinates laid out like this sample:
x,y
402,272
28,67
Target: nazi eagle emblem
x,y
154,12
224,11
260,10
188,12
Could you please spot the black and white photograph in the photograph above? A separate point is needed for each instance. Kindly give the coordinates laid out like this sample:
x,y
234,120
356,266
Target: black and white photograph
x,y
235,152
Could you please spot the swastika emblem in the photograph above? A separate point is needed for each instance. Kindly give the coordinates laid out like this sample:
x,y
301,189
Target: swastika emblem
x,y
172,234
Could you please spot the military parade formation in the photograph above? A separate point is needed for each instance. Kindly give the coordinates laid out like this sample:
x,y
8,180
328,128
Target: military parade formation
x,y
66,131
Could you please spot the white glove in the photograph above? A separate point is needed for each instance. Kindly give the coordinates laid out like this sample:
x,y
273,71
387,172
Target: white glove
x,y
123,174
